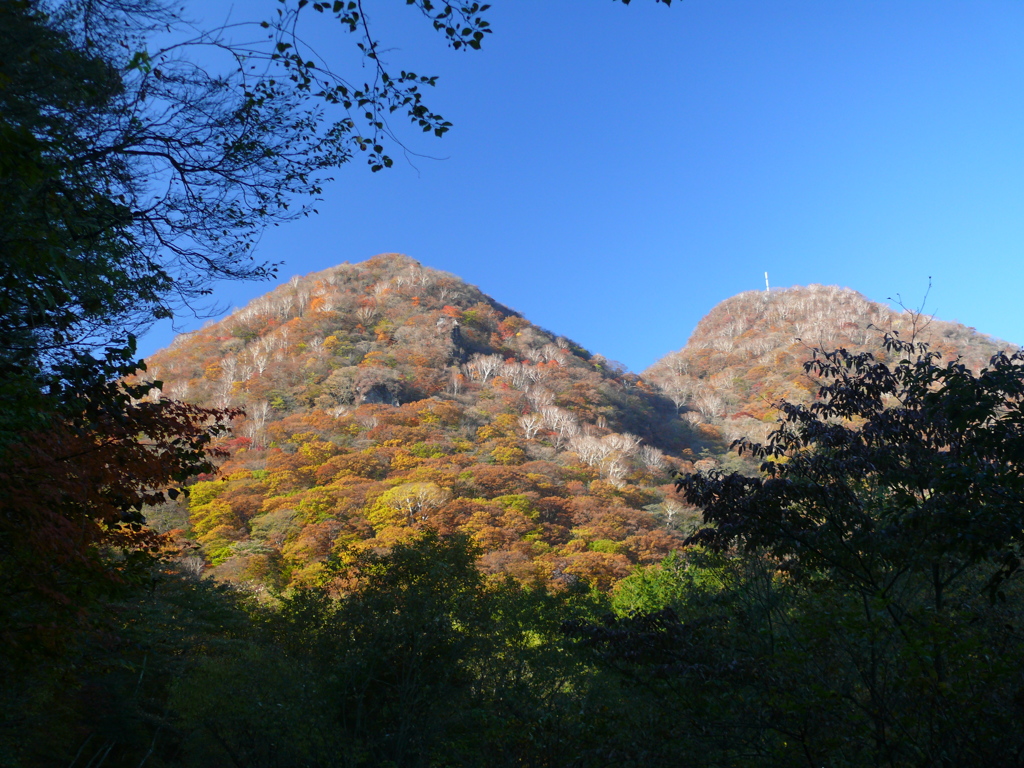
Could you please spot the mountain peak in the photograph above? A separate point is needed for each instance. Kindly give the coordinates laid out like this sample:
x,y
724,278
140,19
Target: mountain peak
x,y
749,351
384,397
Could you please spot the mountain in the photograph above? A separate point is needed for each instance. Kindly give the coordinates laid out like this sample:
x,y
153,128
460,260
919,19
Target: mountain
x,y
383,398
749,352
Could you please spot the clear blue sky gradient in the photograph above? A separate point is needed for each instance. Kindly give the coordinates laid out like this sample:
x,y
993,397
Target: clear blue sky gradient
x,y
614,172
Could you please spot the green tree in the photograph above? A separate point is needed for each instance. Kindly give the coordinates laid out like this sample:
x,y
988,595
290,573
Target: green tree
x,y
418,663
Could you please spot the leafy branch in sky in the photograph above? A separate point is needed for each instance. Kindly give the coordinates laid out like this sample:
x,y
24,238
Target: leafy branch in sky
x,y
141,159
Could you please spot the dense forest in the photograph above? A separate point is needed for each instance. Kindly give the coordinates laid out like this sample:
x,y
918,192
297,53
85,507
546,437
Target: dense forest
x,y
376,518
432,533
384,398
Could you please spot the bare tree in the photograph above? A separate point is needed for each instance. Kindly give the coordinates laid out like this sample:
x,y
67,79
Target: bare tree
x,y
455,381
366,313
260,358
623,443
531,424
540,397
652,458
693,417
554,353
590,450
316,346
615,469
256,416
417,500
483,367
561,422
709,403
366,420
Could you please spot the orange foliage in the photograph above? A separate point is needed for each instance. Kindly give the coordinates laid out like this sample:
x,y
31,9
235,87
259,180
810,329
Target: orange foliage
x,y
493,480
369,464
599,569
510,326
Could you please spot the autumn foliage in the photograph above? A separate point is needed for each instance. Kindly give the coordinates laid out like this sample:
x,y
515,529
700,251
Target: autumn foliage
x,y
71,519
747,354
383,399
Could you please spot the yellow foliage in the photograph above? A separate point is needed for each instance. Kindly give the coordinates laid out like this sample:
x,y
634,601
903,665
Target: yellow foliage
x,y
309,575
443,411
503,425
204,492
206,517
378,359
318,451
274,503
317,504
403,460
405,504
508,453
280,482
219,535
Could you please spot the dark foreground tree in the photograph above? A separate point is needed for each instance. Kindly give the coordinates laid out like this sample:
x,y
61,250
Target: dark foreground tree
x,y
911,468
421,664
861,605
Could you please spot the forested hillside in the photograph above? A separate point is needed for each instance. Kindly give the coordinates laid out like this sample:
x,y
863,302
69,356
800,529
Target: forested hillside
x,y
383,398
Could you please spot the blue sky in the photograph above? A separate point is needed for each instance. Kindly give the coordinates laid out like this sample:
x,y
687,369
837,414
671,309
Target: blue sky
x,y
615,171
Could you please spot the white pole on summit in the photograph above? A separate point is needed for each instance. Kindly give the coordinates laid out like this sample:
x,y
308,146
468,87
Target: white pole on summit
x,y
766,288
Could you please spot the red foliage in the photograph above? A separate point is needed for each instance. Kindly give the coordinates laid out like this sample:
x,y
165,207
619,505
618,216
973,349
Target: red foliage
x,y
74,490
